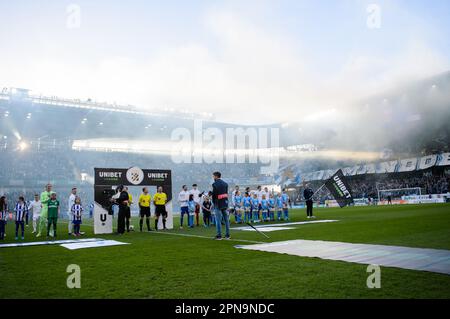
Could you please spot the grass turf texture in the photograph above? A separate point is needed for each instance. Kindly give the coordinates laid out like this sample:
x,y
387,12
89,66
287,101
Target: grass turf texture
x,y
165,266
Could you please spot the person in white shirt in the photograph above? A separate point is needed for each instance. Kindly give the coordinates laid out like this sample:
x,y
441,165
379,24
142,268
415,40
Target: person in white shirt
x,y
71,202
259,192
35,208
183,198
266,193
115,206
197,199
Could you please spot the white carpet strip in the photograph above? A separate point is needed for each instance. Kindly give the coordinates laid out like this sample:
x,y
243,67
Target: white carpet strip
x,y
434,260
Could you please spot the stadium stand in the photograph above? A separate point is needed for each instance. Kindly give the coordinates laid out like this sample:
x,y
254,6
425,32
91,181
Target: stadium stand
x,y
37,136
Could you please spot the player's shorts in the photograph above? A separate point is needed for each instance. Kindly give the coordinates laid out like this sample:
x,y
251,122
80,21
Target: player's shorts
x,y
160,210
52,219
184,210
145,211
206,214
76,222
36,216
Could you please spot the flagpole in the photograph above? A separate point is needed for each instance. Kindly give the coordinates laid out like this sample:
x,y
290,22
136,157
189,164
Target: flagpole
x,y
320,187
316,191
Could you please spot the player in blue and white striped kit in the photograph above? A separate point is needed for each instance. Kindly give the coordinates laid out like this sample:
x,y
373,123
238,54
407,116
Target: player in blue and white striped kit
x,y
3,216
77,213
285,198
21,209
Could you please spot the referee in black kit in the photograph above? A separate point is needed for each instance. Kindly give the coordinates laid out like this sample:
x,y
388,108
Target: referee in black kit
x,y
308,195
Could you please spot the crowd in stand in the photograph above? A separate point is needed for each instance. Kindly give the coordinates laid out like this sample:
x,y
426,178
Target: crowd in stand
x,y
29,170
367,186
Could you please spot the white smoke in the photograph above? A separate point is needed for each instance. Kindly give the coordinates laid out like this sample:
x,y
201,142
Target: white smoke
x,y
252,73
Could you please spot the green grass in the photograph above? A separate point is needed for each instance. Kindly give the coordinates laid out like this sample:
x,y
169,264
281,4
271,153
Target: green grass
x,y
165,266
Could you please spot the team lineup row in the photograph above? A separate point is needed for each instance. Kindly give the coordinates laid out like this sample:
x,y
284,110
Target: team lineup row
x,y
44,210
252,207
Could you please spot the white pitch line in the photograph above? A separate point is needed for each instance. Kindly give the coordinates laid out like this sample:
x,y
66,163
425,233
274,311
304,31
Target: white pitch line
x,y
49,242
198,236
207,237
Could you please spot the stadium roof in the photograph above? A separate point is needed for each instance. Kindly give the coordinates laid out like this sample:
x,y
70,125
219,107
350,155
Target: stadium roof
x,y
18,94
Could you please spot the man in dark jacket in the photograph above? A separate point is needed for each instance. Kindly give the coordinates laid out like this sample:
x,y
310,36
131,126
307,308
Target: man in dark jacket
x,y
308,194
220,201
122,201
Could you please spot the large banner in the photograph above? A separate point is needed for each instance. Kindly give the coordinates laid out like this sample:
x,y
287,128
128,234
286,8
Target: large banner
x,y
339,188
133,176
107,179
394,166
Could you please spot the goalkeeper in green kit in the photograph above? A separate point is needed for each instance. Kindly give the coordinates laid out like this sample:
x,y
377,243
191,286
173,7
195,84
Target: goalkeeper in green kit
x,y
45,197
53,213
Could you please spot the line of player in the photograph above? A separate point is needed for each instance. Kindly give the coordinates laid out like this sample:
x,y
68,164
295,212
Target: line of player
x,y
45,212
253,206
259,205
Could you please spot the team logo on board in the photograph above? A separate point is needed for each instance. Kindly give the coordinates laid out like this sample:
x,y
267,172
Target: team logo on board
x,y
135,175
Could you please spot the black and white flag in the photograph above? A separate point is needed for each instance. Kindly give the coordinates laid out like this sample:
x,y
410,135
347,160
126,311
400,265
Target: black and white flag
x,y
340,189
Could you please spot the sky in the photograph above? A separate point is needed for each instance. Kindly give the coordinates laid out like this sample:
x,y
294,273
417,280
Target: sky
x,y
247,61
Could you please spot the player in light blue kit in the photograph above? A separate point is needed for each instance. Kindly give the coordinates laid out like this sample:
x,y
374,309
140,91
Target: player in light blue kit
x,y
191,208
238,207
264,208
271,208
247,204
279,202
255,208
285,199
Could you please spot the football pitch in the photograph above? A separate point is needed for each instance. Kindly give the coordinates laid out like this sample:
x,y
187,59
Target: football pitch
x,y
188,263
